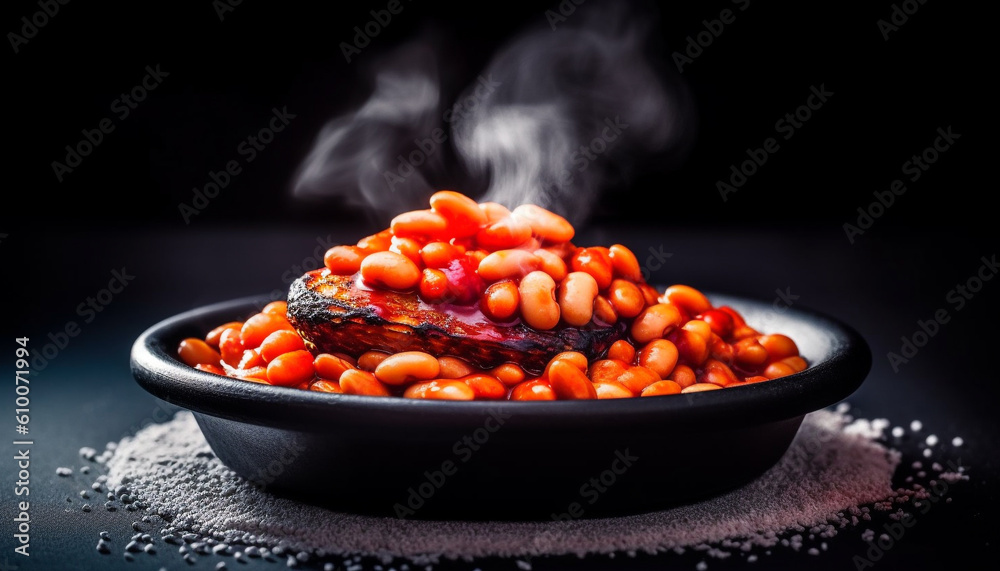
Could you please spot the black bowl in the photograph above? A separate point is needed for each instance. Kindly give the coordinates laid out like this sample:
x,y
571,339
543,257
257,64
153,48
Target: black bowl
x,y
502,460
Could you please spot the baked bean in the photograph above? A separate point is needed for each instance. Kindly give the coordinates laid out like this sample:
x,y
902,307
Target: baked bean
x,y
778,369
534,389
452,368
538,300
611,390
344,260
378,242
624,263
720,322
749,353
569,382
733,314
504,264
215,335
718,373
692,349
358,382
500,301
796,363
626,298
476,256
433,285
683,376
604,312
494,211
552,264
622,350
607,370
291,369
596,263
659,356
509,374
194,351
575,358
330,367
649,294
407,247
390,270
325,386
544,223
230,347
700,328
755,379
369,360
462,213
505,233
438,254
440,390
485,386
687,298
209,368
276,308
407,367
741,332
279,342
659,388
258,327
420,223
654,322
700,387
254,375
637,378
778,346
576,298
720,350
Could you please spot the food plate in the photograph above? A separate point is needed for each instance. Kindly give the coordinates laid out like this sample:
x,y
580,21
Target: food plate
x,y
503,460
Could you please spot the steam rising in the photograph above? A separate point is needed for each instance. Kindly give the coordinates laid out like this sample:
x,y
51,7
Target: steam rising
x,y
554,116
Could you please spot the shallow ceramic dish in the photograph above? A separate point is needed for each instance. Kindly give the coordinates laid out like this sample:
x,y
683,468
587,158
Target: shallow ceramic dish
x,y
489,460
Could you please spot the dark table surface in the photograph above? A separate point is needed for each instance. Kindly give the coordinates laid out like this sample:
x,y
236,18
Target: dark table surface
x,y
85,395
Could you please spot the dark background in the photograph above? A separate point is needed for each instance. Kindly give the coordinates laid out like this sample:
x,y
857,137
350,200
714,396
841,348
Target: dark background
x,y
782,230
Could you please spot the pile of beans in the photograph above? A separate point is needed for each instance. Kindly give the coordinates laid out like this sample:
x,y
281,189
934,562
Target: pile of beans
x,y
525,270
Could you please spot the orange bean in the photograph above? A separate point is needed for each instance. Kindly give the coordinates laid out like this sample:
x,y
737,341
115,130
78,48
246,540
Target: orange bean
x,y
720,350
683,376
254,375
575,358
291,369
755,379
346,358
194,351
622,350
325,386
741,332
485,386
692,349
344,260
534,389
552,264
544,223
462,213
500,301
378,242
438,254
733,314
637,378
626,298
700,328
390,270
509,374
476,256
797,363
330,367
215,335
209,368
494,211
659,356
649,294
505,233
258,327
654,322
230,347
596,263
604,312
453,368
569,382
538,300
719,321
407,367
420,223
748,353
504,264
718,373
607,370
612,390
407,247
625,264
440,390
433,285
687,298
700,387
251,358
358,382
276,308
659,388
280,341
576,298
369,360
778,346
778,369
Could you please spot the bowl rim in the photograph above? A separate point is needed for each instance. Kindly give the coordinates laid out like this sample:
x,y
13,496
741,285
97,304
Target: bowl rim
x,y
824,383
